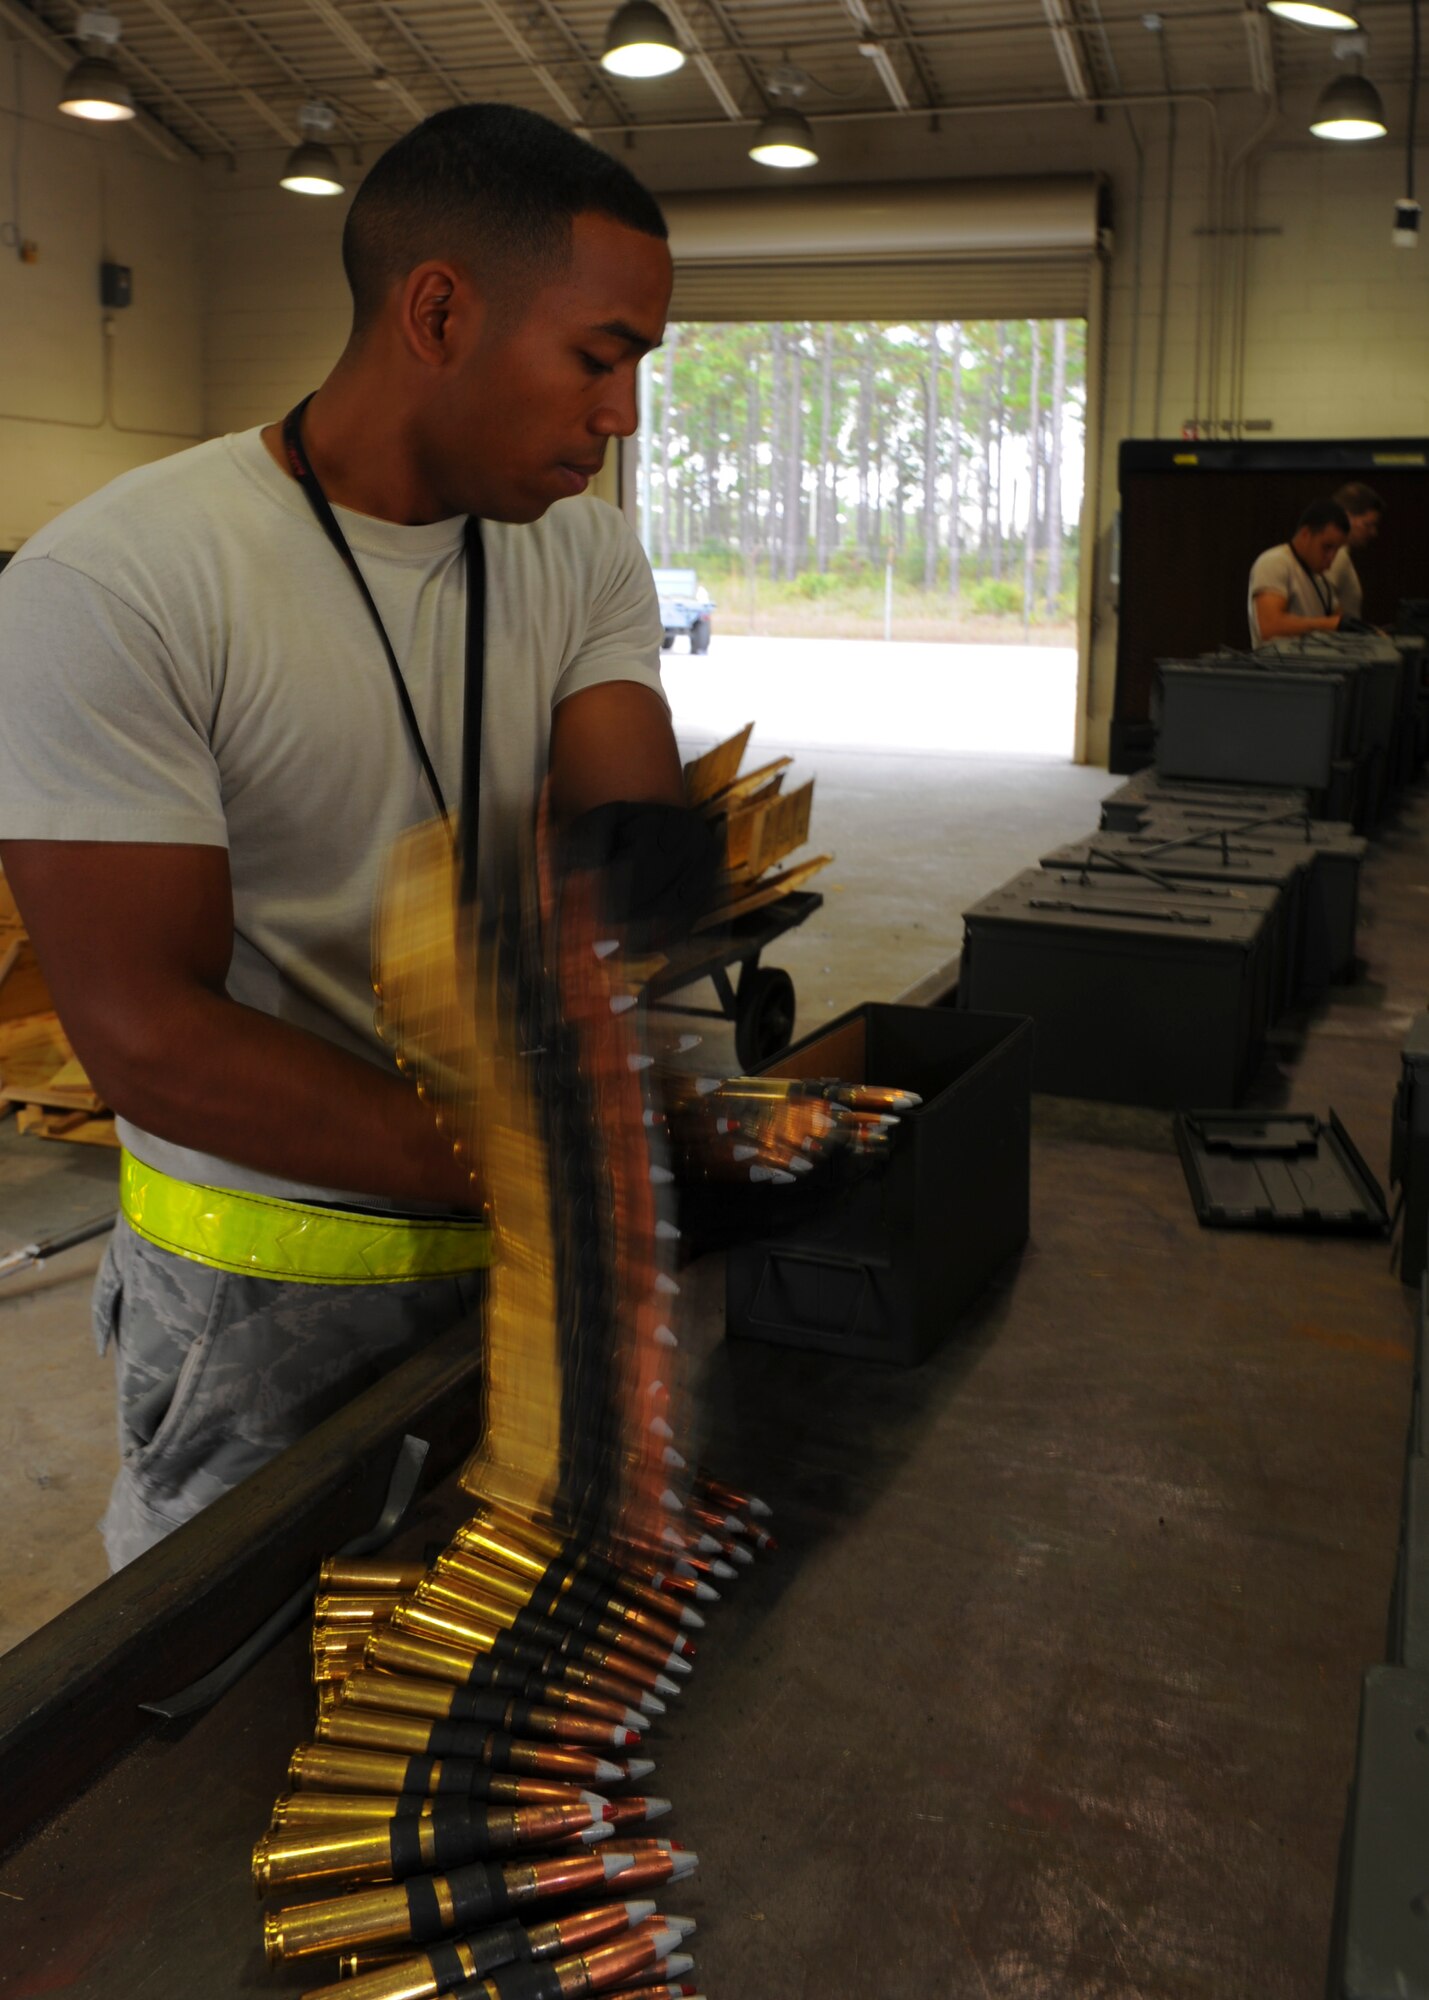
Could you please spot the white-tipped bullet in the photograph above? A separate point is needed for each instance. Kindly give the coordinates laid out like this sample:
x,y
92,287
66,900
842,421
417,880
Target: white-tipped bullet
x,y
686,1570
682,1644
660,1177
678,1963
741,1555
640,1767
724,1569
799,1165
657,1809
639,1062
660,1428
671,1459
602,1830
686,1926
706,1592
672,1538
606,947
775,1174
686,1043
639,1909
677,1665
652,1704
671,1501
666,1685
597,1801
635,1720
607,1773
760,1509
656,1389
743,1153
621,1003
665,1941
691,1619
707,1546
666,1284
706,1084
647,1119
685,1866
666,1232
665,1336
616,1864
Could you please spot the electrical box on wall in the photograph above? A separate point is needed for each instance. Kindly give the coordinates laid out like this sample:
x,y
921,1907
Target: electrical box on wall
x,y
116,285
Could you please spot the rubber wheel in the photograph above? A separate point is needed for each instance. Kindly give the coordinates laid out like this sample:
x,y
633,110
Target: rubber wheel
x,y
764,1017
700,636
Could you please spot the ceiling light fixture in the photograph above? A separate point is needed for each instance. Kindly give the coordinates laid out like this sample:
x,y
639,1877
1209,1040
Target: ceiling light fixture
x,y
312,166
784,139
1312,14
640,42
94,88
1349,108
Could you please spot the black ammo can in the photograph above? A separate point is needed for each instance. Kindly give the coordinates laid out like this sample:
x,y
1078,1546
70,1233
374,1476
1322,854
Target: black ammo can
x,y
882,1269
1138,997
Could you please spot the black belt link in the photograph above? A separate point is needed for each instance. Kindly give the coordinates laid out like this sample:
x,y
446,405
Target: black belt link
x,y
302,471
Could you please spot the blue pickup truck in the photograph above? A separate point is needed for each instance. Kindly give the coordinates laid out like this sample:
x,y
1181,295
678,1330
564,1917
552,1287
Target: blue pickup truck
x,y
685,606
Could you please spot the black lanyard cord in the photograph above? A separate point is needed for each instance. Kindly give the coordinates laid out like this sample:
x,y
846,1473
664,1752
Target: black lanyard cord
x,y
302,471
1326,598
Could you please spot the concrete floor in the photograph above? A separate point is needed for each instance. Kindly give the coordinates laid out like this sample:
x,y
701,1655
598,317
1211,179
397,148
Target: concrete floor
x,y
1050,1693
916,839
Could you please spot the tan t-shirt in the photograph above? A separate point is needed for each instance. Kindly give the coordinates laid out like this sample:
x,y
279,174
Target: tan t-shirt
x,y
185,659
1346,580
1280,570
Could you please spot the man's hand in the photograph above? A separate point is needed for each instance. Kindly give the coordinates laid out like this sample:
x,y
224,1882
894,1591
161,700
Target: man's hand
x,y
135,941
1277,621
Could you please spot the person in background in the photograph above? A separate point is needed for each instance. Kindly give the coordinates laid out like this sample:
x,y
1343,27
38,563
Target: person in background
x,y
1290,588
1366,511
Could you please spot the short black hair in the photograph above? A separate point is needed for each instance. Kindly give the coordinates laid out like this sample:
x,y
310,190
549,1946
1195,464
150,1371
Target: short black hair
x,y
491,183
1324,514
1357,498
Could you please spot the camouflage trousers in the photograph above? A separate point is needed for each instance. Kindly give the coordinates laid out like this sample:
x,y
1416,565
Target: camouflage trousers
x,y
217,1374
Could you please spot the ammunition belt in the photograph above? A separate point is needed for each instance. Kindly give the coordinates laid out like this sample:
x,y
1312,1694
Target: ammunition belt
x,y
298,1242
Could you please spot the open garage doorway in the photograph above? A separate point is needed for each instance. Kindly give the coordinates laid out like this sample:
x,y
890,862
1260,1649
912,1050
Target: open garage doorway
x,y
866,533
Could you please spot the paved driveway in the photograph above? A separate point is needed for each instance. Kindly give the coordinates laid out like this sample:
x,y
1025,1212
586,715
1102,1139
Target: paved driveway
x,y
875,695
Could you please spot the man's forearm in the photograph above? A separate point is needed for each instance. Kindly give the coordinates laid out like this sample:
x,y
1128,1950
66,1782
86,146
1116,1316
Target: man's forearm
x,y
224,1079
1290,625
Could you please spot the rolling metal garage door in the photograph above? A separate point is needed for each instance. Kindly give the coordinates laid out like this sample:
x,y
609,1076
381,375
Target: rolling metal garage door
x,y
922,250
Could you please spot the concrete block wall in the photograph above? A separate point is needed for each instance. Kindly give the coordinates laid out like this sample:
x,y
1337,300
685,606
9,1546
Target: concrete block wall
x,y
85,394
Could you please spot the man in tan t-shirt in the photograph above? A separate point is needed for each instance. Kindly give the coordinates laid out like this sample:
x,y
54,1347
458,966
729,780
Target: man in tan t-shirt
x,y
1290,590
1366,511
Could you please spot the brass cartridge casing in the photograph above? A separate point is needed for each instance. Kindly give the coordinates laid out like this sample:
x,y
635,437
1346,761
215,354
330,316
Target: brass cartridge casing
x,y
342,1608
437,1621
369,1575
294,1810
402,1694
322,1854
484,1577
364,1916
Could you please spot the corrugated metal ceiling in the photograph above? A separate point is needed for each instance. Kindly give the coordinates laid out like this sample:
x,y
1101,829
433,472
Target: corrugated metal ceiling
x,y
229,76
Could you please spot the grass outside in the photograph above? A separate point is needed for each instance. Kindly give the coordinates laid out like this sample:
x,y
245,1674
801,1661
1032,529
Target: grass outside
x,y
833,607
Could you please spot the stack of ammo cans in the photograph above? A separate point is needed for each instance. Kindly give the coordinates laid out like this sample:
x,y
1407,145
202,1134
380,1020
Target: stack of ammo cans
x,y
1222,889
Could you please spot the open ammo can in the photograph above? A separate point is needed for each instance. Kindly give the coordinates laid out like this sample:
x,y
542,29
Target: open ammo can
x,y
882,1270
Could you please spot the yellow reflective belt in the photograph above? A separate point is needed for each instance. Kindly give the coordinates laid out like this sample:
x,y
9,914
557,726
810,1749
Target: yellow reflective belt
x,y
263,1237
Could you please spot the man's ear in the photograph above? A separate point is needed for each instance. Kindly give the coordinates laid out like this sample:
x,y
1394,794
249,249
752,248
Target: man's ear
x,y
436,304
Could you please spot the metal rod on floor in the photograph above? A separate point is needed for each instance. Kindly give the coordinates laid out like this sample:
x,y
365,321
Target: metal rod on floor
x,y
31,1255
